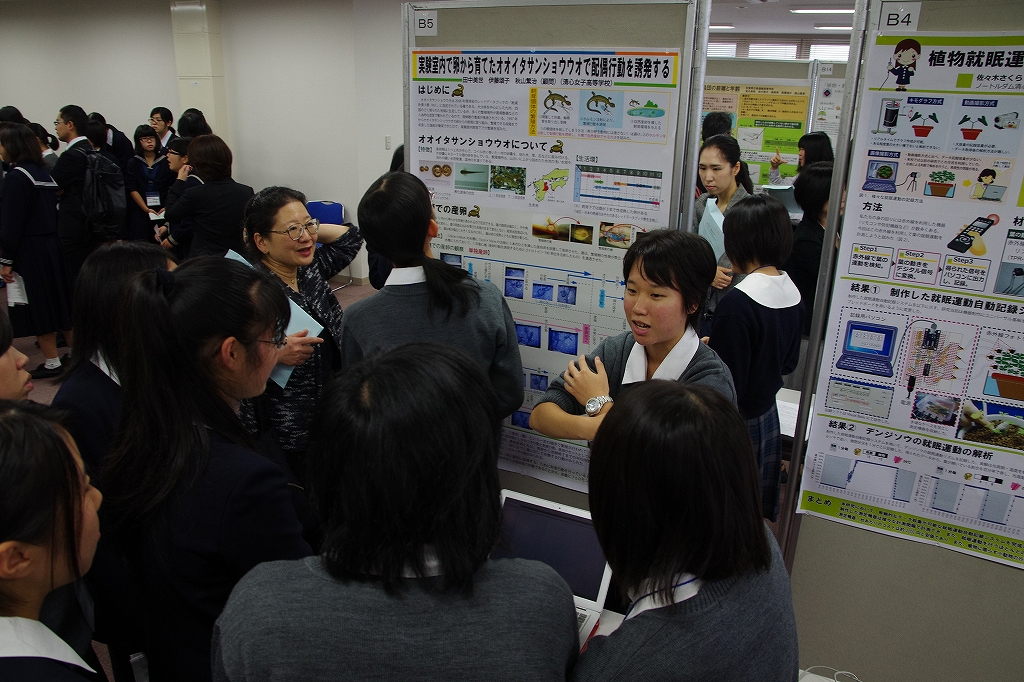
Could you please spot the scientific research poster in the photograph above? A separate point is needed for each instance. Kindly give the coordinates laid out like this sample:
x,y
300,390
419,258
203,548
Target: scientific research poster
x,y
768,117
918,429
545,164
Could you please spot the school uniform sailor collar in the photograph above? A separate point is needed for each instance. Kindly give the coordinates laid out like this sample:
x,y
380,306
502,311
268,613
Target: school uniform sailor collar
x,y
685,586
400,276
771,291
671,368
25,638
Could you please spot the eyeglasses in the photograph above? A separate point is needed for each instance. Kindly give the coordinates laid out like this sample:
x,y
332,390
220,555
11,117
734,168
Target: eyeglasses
x,y
279,344
171,151
58,122
155,119
294,232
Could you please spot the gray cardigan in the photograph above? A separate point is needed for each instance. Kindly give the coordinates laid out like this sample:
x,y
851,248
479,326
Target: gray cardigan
x,y
705,368
740,629
715,295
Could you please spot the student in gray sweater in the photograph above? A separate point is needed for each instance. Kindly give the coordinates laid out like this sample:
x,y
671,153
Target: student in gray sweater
x,y
667,276
425,299
675,499
403,475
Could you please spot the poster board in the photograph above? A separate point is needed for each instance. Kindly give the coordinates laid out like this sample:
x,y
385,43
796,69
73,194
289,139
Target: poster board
x,y
548,152
915,431
829,84
769,115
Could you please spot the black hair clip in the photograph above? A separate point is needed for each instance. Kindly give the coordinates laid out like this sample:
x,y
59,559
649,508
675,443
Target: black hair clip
x,y
165,278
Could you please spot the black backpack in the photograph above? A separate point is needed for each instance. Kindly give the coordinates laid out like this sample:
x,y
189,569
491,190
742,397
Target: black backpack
x,y
103,198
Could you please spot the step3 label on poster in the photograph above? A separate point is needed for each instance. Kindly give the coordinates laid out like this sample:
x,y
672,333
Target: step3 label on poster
x,y
921,433
545,165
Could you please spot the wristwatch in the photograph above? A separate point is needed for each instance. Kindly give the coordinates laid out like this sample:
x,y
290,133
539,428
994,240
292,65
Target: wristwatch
x,y
594,405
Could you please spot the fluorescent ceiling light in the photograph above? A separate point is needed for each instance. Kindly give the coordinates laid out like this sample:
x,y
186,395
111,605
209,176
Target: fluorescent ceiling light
x,y
721,27
833,28
822,11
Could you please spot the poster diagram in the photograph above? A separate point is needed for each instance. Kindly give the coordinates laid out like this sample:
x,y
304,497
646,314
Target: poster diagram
x,y
768,118
828,107
545,165
921,432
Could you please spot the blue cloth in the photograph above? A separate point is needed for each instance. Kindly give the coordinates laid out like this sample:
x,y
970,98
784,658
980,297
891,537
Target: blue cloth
x,y
767,441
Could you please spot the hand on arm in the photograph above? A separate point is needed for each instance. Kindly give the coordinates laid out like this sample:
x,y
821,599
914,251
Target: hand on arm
x,y
584,384
552,420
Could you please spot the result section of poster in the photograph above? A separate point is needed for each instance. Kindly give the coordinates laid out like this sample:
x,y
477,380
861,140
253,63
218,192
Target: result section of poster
x,y
918,430
768,118
544,165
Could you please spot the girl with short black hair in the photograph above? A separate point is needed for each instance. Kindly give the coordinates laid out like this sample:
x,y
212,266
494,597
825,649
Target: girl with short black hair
x,y
756,329
813,147
147,178
675,499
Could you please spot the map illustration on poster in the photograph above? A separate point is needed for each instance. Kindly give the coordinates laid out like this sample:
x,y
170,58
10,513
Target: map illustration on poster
x,y
918,430
767,118
544,165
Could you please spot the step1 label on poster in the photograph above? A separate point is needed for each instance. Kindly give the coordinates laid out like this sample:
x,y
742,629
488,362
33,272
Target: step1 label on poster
x,y
921,433
545,165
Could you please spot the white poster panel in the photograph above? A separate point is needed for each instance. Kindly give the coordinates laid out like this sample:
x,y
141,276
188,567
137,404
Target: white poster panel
x,y
828,107
919,424
545,164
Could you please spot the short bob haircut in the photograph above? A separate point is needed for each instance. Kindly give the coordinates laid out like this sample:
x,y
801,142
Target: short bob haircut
x,y
675,488
817,147
679,260
757,229
403,457
40,484
21,145
141,133
716,123
211,157
811,188
260,214
192,124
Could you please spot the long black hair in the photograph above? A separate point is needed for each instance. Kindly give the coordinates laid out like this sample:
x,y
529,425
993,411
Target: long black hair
x,y
98,293
45,136
170,327
729,148
394,216
404,455
40,484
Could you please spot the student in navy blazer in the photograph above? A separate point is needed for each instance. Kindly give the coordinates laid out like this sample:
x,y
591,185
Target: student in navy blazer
x,y
192,505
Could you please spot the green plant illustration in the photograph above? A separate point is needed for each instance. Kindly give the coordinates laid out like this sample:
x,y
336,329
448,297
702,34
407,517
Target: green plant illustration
x,y
943,176
980,119
917,115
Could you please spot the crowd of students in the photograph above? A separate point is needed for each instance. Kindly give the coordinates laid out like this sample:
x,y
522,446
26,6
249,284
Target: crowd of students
x,y
339,522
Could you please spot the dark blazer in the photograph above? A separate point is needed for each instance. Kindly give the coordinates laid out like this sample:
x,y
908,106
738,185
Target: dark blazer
x,y
209,534
804,263
32,669
69,174
93,402
121,147
138,225
215,209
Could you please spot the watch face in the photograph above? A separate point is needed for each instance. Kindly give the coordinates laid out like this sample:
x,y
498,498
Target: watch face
x,y
593,405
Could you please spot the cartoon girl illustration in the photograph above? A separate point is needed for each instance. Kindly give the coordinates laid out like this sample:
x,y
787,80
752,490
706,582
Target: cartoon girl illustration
x,y
906,54
986,178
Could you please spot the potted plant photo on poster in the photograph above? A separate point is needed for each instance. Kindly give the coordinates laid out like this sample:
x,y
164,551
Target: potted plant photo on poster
x,y
972,132
940,184
922,129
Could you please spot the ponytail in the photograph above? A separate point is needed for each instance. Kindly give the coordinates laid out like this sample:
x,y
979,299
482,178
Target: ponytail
x,y
743,178
394,218
169,329
46,137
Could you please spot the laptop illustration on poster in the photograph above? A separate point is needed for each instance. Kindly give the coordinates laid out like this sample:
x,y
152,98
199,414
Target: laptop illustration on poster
x,y
993,193
881,176
868,348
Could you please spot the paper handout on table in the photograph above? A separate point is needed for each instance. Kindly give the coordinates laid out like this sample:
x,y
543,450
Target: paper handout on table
x,y
299,320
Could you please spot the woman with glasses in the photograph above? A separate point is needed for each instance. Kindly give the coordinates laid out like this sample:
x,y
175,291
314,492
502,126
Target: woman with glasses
x,y
192,505
176,236
146,179
214,207
282,239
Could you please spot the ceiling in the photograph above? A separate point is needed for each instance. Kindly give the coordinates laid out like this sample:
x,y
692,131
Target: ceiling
x,y
753,16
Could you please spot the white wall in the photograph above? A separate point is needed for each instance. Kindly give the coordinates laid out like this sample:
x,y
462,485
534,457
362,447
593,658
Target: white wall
x,y
313,86
112,56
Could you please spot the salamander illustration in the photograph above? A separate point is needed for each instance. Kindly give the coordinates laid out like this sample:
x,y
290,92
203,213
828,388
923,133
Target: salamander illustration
x,y
457,92
553,99
600,100
634,103
556,148
474,212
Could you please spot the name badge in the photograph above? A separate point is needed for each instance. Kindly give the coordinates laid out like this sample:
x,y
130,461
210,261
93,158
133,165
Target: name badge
x,y
152,199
